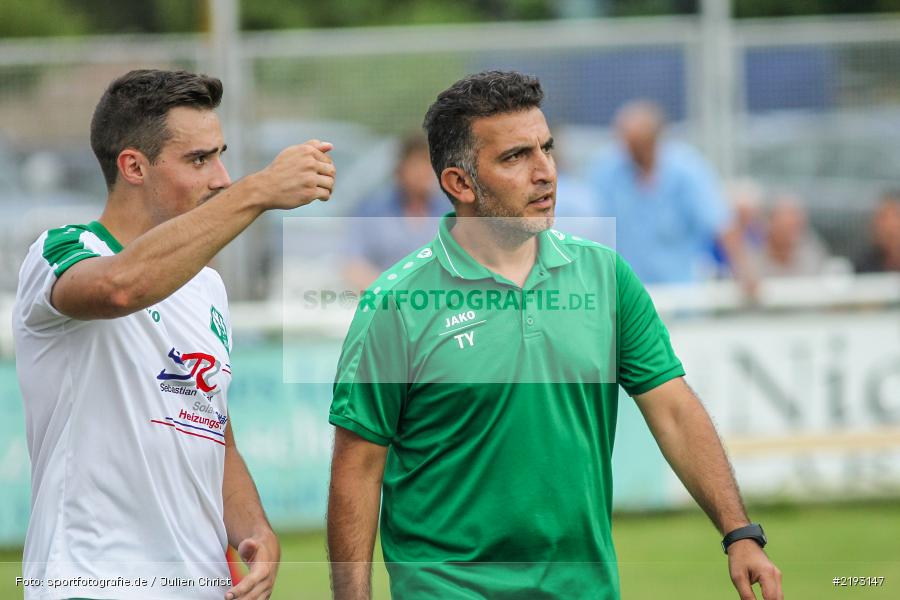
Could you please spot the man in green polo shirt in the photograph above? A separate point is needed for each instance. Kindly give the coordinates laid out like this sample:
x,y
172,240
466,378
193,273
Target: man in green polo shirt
x,y
477,388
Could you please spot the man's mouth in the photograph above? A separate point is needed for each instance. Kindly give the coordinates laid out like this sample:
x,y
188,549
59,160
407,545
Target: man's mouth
x,y
542,202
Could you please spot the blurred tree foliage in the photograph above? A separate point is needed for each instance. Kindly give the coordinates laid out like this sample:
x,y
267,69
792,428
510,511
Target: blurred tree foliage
x,y
73,17
752,8
781,8
638,8
274,14
21,18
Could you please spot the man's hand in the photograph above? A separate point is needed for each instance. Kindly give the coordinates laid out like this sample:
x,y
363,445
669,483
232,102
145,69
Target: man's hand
x,y
297,176
689,442
261,555
748,564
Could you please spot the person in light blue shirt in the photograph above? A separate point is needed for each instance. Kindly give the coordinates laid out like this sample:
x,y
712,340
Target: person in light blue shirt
x,y
666,200
578,211
403,216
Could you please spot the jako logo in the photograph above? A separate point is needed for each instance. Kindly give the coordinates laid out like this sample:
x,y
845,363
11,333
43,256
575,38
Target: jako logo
x,y
195,366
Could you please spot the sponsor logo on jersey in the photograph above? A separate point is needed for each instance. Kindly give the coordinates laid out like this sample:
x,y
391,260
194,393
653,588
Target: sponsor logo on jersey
x,y
208,409
218,327
459,318
460,326
191,368
192,424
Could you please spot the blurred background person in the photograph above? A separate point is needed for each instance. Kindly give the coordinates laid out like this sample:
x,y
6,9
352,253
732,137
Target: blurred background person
x,y
403,217
790,248
574,198
746,199
666,201
578,211
884,252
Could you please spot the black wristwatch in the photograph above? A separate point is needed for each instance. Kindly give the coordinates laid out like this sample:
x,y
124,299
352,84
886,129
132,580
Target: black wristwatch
x,y
754,532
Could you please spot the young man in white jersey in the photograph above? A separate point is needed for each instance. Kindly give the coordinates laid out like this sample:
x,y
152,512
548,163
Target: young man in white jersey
x,y
122,352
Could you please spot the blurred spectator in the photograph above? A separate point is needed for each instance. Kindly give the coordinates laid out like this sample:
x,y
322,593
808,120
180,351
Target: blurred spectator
x,y
884,253
666,202
746,199
791,248
578,211
394,223
574,198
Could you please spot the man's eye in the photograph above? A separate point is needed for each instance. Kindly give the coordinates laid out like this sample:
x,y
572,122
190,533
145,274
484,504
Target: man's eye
x,y
199,161
514,156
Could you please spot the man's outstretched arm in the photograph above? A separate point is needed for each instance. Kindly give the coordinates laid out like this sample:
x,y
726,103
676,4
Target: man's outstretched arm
x,y
160,261
354,499
689,442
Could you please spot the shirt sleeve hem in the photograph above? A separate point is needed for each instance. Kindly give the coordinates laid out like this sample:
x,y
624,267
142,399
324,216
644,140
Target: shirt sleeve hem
x,y
361,431
656,381
71,260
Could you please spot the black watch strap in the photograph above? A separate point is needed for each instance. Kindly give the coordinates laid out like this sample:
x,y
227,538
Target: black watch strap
x,y
754,532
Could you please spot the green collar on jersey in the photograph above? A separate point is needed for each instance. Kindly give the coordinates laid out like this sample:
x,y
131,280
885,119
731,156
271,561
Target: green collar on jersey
x,y
97,228
460,263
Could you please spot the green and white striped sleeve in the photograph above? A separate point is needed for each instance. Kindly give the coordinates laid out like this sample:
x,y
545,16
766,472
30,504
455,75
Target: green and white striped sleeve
x,y
63,248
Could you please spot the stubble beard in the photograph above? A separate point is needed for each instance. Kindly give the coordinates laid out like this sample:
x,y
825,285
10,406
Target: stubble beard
x,y
508,224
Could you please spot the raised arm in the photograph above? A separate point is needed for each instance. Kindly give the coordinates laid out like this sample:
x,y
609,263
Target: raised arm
x,y
689,442
160,261
354,500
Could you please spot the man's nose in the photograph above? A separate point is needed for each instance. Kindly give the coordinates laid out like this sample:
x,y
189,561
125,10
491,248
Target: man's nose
x,y
545,168
220,180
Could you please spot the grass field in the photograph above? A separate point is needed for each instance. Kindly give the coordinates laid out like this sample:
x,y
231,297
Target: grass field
x,y
674,556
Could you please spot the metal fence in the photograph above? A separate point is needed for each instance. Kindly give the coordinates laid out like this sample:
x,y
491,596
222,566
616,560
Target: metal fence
x,y
810,105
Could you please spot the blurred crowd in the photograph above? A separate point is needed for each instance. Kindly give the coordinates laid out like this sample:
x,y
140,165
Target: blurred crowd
x,y
675,221
651,196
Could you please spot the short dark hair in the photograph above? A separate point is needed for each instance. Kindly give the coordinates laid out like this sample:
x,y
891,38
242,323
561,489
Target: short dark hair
x,y
132,112
448,121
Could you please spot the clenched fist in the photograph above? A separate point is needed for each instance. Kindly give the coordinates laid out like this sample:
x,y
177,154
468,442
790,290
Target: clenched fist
x,y
297,176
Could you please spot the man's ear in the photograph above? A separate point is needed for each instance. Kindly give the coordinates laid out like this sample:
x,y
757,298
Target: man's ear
x,y
132,166
458,184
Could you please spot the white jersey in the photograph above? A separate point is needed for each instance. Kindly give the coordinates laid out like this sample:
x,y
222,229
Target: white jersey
x,y
125,420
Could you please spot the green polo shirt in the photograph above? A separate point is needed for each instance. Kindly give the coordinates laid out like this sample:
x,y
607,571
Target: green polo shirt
x,y
498,405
